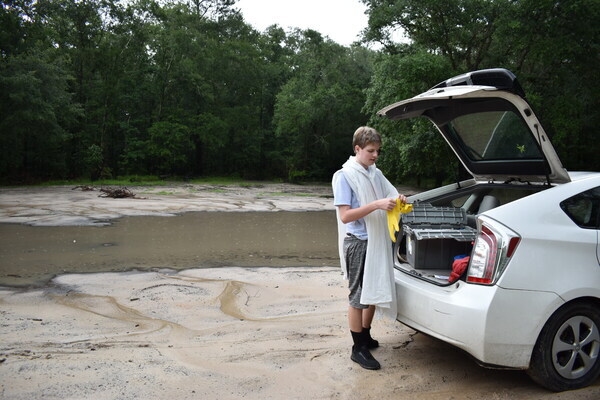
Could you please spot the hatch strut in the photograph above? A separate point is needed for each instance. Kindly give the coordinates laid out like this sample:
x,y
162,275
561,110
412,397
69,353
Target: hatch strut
x,y
537,130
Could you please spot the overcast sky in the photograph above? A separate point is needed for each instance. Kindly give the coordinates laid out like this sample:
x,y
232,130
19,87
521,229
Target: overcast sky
x,y
341,20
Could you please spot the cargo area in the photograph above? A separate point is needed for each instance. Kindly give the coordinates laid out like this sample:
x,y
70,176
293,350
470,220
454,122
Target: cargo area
x,y
441,230
432,237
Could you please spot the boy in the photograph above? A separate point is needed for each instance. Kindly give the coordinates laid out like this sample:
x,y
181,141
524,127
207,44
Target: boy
x,y
362,195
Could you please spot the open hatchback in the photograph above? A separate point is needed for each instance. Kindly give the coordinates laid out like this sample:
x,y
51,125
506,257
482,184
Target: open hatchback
x,y
521,220
491,128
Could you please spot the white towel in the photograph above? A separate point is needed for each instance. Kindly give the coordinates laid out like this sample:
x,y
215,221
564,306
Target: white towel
x,y
378,279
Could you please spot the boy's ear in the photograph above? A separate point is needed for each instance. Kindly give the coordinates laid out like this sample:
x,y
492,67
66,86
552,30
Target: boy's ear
x,y
356,149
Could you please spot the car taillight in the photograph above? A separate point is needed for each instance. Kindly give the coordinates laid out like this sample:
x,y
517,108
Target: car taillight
x,y
493,248
483,258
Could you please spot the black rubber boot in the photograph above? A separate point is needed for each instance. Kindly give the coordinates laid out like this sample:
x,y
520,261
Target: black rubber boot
x,y
371,343
361,353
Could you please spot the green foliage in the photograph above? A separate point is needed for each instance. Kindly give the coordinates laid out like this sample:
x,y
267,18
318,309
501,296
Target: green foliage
x,y
412,150
319,107
35,117
552,47
94,161
167,147
555,48
102,88
462,31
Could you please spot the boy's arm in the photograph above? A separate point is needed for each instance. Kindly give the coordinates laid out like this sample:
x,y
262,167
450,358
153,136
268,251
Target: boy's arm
x,y
348,214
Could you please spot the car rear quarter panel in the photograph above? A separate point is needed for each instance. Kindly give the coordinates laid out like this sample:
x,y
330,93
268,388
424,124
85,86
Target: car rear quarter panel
x,y
554,254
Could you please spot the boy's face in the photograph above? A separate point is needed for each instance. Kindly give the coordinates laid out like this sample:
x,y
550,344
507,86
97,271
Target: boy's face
x,y
367,155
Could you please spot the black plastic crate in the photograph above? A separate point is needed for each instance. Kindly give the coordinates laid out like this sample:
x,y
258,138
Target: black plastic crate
x,y
435,235
437,249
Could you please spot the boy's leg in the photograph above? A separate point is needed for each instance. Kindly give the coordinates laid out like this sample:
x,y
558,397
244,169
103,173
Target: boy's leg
x,y
355,251
355,318
367,318
360,350
359,321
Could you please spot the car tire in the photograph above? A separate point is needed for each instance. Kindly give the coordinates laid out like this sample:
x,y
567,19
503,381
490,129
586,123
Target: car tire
x,y
567,353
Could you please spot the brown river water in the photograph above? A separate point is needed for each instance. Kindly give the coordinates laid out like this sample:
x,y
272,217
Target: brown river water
x,y
31,256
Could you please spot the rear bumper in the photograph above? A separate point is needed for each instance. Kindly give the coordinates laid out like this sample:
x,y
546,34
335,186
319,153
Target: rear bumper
x,y
495,325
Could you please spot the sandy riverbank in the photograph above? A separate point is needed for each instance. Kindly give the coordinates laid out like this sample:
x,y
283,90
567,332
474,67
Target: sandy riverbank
x,y
212,333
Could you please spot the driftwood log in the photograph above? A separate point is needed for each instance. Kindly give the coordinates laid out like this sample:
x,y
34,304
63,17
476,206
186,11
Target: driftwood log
x,y
116,193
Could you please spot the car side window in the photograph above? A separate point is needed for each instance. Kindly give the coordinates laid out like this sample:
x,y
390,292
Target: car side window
x,y
584,208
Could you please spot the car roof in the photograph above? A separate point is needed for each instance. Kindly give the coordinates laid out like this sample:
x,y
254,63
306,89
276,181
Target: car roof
x,y
579,175
491,128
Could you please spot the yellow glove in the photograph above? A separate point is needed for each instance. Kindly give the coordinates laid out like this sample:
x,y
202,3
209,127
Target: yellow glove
x,y
393,217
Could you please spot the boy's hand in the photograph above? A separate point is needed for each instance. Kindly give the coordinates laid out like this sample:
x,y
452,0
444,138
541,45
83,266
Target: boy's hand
x,y
385,204
402,199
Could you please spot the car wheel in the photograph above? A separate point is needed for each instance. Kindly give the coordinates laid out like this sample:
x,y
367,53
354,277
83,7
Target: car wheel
x,y
567,353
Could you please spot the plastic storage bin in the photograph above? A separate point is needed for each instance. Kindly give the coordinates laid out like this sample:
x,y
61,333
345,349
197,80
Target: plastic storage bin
x,y
435,235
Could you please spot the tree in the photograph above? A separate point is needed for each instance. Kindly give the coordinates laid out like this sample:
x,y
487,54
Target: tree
x,y
36,114
412,150
551,46
319,108
169,147
554,47
208,78
460,30
36,111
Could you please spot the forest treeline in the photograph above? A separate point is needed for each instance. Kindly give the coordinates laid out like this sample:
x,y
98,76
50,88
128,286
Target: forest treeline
x,y
107,88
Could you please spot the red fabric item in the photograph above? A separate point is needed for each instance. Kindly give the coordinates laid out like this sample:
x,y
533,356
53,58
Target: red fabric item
x,y
458,268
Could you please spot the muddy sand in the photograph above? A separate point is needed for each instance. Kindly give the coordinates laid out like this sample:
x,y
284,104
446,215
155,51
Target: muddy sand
x,y
276,332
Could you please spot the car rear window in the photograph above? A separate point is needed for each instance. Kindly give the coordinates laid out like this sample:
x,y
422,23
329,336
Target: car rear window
x,y
495,135
584,208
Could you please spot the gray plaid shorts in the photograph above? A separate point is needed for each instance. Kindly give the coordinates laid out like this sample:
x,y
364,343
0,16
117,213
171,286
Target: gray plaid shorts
x,y
355,251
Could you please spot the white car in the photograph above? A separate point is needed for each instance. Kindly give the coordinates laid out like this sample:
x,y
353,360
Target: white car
x,y
530,295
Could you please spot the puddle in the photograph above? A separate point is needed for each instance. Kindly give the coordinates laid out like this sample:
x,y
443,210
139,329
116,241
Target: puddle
x,y
31,256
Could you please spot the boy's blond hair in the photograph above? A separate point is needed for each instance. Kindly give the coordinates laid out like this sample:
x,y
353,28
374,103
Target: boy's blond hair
x,y
365,135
